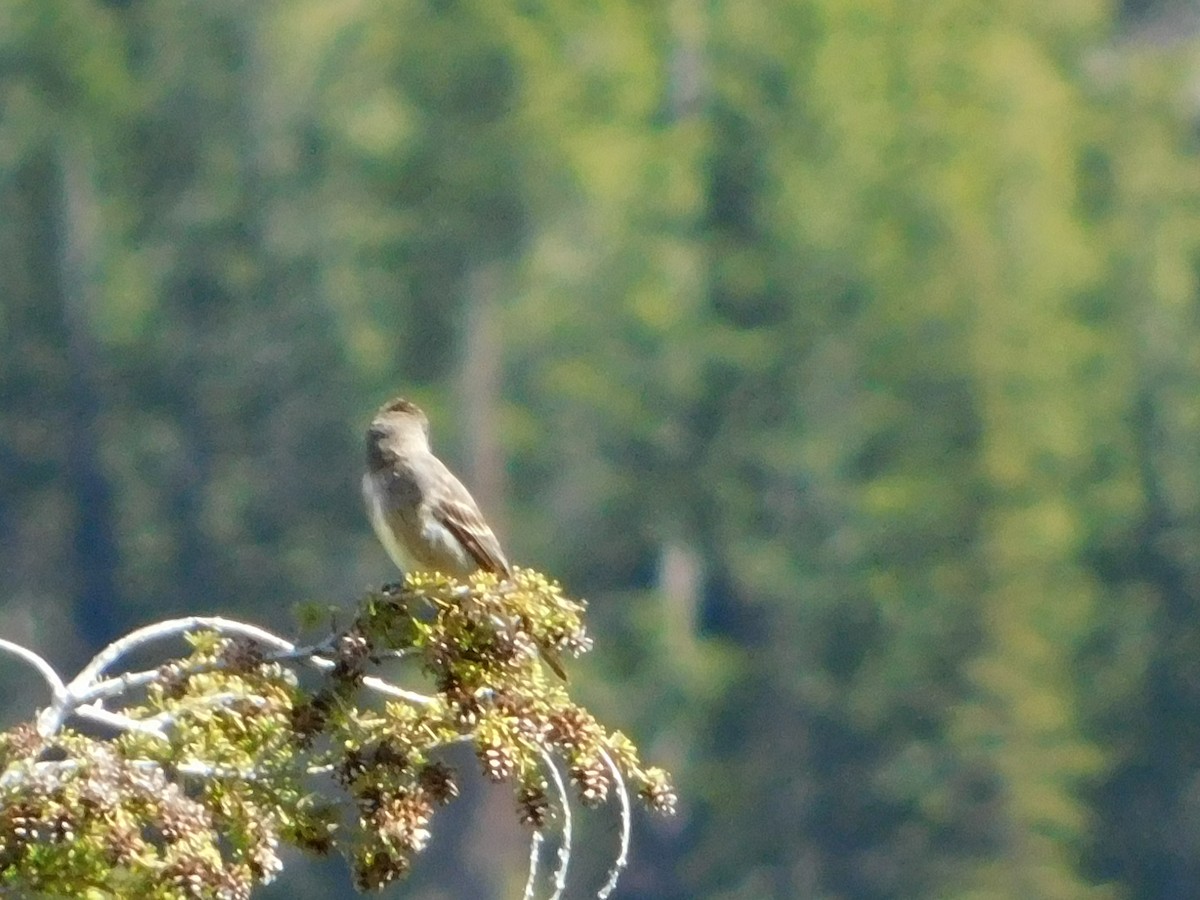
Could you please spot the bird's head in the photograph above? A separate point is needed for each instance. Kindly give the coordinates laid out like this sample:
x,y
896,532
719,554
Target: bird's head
x,y
399,425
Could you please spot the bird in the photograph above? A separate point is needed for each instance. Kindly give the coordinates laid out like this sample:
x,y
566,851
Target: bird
x,y
423,515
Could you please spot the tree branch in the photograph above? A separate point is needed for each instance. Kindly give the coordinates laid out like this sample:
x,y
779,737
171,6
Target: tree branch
x,y
622,859
84,688
233,709
564,849
57,688
535,845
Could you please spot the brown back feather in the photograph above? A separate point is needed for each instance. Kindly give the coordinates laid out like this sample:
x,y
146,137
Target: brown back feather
x,y
465,523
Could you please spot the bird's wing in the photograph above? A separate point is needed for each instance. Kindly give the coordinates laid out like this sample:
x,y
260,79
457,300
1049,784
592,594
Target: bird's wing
x,y
456,511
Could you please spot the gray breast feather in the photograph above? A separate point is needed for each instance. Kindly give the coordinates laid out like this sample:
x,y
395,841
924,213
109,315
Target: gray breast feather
x,y
376,499
403,517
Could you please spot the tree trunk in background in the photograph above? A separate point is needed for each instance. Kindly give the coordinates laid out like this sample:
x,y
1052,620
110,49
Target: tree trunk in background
x,y
93,543
492,836
479,386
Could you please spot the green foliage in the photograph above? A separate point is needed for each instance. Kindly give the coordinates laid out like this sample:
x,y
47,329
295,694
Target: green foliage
x,y
200,806
880,318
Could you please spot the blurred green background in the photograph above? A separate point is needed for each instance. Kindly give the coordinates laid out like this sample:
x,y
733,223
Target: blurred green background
x,y
844,354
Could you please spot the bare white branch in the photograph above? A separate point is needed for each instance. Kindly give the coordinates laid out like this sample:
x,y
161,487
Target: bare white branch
x,y
57,688
88,686
379,686
163,720
535,846
173,628
121,684
622,860
564,849
75,693
83,697
96,713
